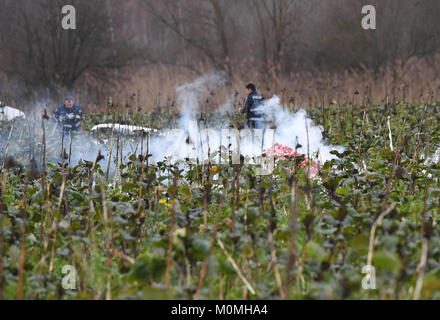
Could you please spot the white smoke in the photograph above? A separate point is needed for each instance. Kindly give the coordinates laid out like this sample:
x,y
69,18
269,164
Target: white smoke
x,y
192,140
290,125
228,106
189,94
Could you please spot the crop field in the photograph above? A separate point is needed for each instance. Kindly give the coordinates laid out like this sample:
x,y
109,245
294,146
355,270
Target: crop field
x,y
109,220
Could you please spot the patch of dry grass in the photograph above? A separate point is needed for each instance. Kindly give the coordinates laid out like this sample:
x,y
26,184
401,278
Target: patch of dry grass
x,y
142,89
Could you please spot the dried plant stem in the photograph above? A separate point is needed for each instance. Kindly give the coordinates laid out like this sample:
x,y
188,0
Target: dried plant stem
x,y
377,223
1,262
293,257
7,146
206,193
108,245
384,211
273,250
42,260
70,149
115,178
202,153
274,262
390,134
62,144
43,181
171,232
110,153
234,180
23,246
2,207
220,291
188,272
141,177
123,256
60,200
53,129
246,211
424,251
235,266
90,201
421,269
211,245
148,169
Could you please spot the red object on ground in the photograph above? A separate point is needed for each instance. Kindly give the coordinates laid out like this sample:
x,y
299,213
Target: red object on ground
x,y
281,152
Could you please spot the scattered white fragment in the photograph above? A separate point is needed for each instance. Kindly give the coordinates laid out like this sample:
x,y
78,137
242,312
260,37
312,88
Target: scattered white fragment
x,y
391,136
9,113
434,159
431,160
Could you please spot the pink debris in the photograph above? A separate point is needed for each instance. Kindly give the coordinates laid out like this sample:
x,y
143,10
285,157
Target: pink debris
x,y
281,152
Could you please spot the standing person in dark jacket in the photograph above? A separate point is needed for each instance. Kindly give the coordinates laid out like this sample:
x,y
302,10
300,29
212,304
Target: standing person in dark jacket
x,y
254,108
69,116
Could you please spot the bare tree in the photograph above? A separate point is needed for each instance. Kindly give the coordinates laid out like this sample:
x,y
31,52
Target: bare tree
x,y
46,55
405,29
281,25
203,25
248,39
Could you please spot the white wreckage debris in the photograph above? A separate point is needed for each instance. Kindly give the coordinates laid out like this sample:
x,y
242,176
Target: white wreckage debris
x,y
8,113
122,128
102,133
433,159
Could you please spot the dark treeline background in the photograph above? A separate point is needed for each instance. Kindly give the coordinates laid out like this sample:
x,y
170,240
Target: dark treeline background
x,y
308,49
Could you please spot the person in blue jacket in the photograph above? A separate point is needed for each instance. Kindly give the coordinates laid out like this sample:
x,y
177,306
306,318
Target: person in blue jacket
x,y
254,108
69,116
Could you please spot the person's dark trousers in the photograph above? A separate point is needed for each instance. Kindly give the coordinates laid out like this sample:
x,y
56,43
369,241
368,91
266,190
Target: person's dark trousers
x,y
255,124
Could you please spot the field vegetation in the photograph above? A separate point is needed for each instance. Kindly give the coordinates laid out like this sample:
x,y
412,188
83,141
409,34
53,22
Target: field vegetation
x,y
208,231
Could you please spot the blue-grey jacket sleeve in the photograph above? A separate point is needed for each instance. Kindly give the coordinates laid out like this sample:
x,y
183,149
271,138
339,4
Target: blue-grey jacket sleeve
x,y
57,113
79,117
248,104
